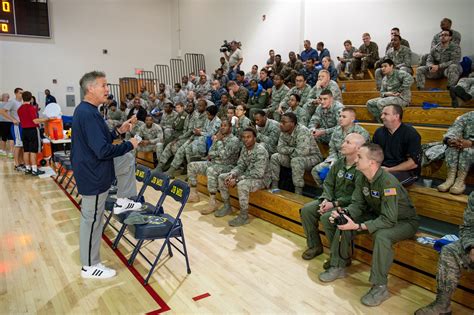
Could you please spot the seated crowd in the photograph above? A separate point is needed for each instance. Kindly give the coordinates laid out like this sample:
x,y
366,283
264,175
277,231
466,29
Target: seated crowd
x,y
240,128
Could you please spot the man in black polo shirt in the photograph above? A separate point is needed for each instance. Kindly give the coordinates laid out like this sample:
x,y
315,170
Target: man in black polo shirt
x,y
401,145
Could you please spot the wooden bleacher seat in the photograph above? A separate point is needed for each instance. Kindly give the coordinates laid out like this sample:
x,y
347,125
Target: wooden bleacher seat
x,y
417,115
369,85
147,159
414,262
441,98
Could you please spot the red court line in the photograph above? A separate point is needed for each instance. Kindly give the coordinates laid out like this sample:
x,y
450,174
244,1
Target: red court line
x,y
200,297
154,295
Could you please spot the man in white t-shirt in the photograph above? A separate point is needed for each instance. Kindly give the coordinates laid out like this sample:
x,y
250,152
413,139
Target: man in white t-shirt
x,y
235,59
10,113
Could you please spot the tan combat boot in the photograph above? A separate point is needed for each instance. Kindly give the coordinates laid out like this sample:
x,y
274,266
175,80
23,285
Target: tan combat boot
x,y
212,205
193,195
459,185
444,187
442,305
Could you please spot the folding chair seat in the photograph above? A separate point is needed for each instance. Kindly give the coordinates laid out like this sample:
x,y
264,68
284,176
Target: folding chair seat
x,y
162,225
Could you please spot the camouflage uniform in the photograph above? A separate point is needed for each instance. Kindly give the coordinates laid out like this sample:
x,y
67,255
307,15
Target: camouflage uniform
x,y
297,150
454,258
239,128
135,130
197,148
310,75
314,94
223,155
303,93
368,61
399,81
335,144
290,70
154,135
277,69
268,135
467,84
178,148
300,114
178,97
403,42
166,123
448,60
337,187
455,39
346,66
242,95
178,127
401,59
251,173
462,128
277,97
326,119
203,89
257,101
115,119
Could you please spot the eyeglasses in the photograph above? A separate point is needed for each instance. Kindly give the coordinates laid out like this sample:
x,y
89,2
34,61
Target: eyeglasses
x,y
445,35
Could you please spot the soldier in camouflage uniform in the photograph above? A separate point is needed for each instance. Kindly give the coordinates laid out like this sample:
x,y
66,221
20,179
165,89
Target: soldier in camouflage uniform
x,y
396,32
345,127
445,25
292,68
324,83
268,131
135,130
114,117
167,120
463,91
325,117
195,120
453,260
337,192
296,149
365,57
294,103
443,61
395,90
301,88
196,145
152,137
344,68
460,153
279,91
258,96
243,121
238,94
203,88
401,57
222,157
379,205
250,174
179,122
222,114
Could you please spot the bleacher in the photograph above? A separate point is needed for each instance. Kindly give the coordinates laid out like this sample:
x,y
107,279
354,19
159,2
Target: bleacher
x,y
414,262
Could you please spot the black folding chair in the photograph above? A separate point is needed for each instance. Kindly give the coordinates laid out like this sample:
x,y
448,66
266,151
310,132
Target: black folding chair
x,y
162,225
142,175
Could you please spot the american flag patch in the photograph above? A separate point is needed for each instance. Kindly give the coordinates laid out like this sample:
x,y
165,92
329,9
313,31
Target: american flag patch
x,y
390,192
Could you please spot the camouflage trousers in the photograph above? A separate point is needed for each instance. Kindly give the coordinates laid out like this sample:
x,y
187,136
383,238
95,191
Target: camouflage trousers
x,y
211,170
112,124
324,138
172,149
196,147
167,134
376,105
318,168
158,148
244,188
452,261
379,75
298,166
452,72
363,64
468,85
460,159
344,67
310,108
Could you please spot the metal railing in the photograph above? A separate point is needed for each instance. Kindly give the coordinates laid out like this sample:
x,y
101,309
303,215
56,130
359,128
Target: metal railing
x,y
114,89
194,62
162,74
147,79
177,70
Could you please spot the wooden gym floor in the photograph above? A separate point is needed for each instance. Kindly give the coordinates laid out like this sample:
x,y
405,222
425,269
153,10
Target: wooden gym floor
x,y
249,270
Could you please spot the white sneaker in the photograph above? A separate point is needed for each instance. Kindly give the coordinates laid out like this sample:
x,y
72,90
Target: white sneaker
x,y
3,153
125,204
98,271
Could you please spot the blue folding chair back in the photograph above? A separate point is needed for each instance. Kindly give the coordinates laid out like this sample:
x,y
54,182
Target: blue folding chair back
x,y
162,225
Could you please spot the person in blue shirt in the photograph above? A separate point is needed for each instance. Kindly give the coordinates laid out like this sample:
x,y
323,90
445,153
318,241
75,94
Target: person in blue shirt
x,y
323,52
265,81
308,52
92,157
49,97
310,72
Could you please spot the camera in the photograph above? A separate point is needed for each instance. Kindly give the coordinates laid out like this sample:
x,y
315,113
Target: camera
x,y
225,47
341,219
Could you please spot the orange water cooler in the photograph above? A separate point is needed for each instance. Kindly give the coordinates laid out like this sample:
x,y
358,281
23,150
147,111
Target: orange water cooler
x,y
54,129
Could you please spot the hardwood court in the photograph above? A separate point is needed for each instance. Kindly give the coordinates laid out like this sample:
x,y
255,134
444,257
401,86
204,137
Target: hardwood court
x,y
253,269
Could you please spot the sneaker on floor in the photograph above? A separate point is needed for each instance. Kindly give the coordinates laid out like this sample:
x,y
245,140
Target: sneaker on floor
x,y
20,168
332,274
28,171
10,155
37,173
3,153
125,204
98,271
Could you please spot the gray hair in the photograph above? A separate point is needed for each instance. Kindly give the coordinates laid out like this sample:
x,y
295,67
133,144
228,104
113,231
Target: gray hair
x,y
89,79
5,97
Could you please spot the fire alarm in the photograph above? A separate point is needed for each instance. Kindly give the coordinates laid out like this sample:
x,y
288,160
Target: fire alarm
x,y
55,81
